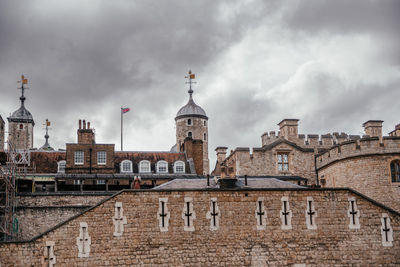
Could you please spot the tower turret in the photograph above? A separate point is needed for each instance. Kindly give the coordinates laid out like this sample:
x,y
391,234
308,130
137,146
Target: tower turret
x,y
21,123
46,145
192,122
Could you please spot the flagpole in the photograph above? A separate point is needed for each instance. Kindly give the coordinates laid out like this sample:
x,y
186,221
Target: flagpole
x,y
121,129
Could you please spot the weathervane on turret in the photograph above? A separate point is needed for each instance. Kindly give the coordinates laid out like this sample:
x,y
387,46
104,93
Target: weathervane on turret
x,y
23,81
46,145
190,77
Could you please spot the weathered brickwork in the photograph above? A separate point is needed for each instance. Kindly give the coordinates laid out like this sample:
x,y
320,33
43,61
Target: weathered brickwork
x,y
237,241
364,166
2,130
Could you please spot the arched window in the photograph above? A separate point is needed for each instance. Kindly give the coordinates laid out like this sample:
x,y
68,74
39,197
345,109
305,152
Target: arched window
x,y
126,166
395,170
190,134
162,166
61,166
189,121
144,166
179,167
205,137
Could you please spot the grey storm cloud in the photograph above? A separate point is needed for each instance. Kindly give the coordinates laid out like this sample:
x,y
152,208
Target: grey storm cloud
x,y
332,64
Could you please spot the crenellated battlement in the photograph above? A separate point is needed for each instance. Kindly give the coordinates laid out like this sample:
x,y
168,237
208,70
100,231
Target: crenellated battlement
x,y
359,147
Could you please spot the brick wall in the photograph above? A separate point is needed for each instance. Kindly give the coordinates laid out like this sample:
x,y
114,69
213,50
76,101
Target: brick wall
x,y
237,241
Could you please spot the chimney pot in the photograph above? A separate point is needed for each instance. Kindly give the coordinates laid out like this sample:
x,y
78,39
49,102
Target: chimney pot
x,y
80,124
88,125
84,124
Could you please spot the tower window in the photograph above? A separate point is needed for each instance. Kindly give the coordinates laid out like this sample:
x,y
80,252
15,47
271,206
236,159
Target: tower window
x,y
189,134
21,126
101,158
283,162
395,171
78,157
205,123
205,137
189,122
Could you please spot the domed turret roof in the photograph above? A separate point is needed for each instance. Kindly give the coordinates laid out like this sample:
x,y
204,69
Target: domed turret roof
x,y
21,115
191,109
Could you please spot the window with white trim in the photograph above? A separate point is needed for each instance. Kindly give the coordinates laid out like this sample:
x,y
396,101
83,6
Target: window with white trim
x,y
144,166
179,167
101,181
78,157
126,166
162,166
189,122
61,166
283,162
189,134
101,158
77,182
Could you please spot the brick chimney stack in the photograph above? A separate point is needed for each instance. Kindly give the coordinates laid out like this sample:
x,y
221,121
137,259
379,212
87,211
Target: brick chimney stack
x,y
85,135
373,128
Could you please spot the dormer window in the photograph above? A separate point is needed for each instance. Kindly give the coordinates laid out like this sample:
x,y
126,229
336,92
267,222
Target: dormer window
x,y
189,134
189,122
144,166
61,166
78,157
395,171
126,166
162,166
179,167
101,158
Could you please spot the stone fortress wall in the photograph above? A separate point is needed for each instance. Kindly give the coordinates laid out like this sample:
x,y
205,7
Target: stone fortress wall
x,y
363,165
252,228
39,212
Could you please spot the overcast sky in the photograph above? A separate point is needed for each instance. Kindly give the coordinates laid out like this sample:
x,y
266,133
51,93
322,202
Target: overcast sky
x,y
331,64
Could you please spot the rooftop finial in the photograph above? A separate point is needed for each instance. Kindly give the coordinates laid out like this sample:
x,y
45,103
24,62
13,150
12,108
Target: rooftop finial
x,y
46,145
190,77
23,81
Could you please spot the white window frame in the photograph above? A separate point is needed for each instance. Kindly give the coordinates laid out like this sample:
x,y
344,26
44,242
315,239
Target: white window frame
x,y
162,162
101,182
77,182
190,134
141,166
122,166
59,166
100,157
175,166
189,124
79,160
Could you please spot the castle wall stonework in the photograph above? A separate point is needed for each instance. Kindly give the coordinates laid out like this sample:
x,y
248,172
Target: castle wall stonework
x,y
237,241
21,134
363,166
37,213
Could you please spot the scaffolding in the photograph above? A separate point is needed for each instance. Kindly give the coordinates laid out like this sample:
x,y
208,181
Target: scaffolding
x,y
14,168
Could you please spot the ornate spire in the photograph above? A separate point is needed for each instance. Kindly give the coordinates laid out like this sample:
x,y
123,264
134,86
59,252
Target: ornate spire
x,y
46,145
190,77
23,81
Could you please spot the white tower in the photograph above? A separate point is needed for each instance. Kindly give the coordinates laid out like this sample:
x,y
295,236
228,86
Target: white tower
x,y
192,121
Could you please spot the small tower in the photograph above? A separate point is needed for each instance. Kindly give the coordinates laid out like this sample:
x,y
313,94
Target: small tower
x,y
20,123
192,122
46,145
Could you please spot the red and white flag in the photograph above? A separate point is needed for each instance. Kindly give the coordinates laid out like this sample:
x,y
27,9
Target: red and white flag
x,y
125,110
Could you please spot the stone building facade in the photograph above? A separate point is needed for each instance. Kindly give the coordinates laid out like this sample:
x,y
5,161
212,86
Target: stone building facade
x,y
253,228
